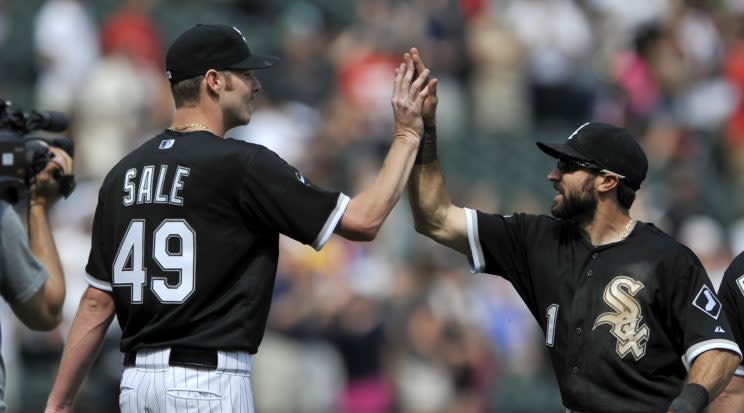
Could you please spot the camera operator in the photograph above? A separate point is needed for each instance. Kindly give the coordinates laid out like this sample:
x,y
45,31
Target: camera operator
x,y
31,278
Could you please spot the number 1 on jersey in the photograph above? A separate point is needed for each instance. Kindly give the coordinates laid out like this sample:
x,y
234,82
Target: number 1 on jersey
x,y
552,315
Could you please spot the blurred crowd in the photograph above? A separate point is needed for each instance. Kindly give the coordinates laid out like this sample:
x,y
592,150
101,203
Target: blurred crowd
x,y
398,325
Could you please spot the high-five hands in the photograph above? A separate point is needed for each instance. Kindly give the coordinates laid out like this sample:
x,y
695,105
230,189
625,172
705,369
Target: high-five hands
x,y
408,97
429,111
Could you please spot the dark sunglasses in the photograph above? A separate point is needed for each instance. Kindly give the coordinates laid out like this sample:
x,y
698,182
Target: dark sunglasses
x,y
569,165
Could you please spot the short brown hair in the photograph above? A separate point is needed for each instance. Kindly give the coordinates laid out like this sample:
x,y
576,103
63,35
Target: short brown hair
x,y
186,91
625,194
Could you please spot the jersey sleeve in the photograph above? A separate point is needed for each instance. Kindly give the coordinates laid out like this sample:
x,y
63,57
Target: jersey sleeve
x,y
497,244
731,295
282,199
98,274
21,274
699,313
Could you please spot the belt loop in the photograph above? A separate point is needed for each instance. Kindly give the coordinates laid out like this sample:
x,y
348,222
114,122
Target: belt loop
x,y
153,358
235,362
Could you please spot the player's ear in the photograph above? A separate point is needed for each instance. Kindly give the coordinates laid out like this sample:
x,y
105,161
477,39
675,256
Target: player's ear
x,y
213,81
607,182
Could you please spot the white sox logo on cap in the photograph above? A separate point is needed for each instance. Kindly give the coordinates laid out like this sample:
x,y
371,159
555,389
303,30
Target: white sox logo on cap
x,y
211,46
611,148
577,130
241,35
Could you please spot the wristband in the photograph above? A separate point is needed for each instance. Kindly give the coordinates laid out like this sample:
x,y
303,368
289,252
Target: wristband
x,y
693,399
427,151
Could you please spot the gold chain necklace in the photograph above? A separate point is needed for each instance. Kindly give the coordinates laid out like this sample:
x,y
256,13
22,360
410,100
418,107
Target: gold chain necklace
x,y
192,125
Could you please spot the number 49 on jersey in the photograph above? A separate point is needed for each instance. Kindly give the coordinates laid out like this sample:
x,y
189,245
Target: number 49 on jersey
x,y
132,251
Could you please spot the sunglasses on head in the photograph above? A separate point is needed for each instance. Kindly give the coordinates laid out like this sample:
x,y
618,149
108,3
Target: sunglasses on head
x,y
569,165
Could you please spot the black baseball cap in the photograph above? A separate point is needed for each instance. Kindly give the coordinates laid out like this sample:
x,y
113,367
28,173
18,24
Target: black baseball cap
x,y
211,46
609,147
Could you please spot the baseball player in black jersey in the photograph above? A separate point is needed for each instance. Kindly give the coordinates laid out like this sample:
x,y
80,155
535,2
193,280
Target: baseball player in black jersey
x,y
185,234
731,293
631,321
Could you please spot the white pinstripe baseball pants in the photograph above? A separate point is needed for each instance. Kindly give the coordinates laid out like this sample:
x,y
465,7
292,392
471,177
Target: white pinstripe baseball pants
x,y
152,386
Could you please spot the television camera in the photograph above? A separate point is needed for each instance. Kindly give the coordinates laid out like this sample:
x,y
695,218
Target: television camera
x,y
22,157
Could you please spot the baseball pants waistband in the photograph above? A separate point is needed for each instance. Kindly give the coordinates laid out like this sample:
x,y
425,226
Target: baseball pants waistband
x,y
226,361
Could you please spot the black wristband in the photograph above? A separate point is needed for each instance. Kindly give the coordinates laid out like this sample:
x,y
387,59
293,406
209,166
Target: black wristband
x,y
427,151
693,399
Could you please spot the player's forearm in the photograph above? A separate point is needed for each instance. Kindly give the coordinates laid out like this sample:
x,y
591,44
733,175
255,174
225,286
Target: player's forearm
x,y
43,248
368,209
713,370
429,199
81,348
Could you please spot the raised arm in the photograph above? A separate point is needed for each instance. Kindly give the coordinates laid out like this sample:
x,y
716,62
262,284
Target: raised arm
x,y
434,215
367,210
43,311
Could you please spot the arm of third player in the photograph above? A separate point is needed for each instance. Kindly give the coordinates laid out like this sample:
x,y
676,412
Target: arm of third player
x,y
731,399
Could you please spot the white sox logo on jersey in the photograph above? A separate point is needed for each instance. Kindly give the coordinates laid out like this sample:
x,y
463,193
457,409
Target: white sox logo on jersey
x,y
706,301
632,336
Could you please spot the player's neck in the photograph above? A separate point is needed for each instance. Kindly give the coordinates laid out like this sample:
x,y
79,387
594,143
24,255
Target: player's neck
x,y
607,226
193,118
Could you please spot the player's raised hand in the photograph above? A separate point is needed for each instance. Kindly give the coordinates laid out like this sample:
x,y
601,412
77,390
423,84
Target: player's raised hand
x,y
408,97
429,111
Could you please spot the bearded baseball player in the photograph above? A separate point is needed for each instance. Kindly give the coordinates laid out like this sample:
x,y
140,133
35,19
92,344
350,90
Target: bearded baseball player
x,y
631,321
185,235
731,293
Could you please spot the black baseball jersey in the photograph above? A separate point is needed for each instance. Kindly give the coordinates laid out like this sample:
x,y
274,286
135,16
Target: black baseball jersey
x,y
622,321
731,294
186,237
